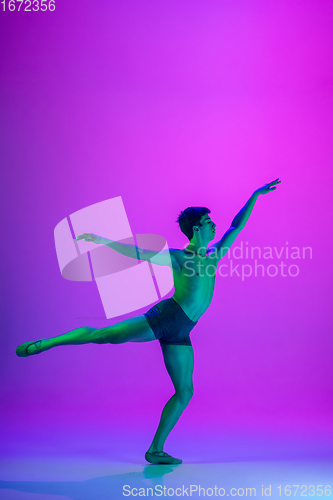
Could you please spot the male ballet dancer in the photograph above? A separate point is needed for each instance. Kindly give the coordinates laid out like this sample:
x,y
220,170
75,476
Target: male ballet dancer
x,y
170,320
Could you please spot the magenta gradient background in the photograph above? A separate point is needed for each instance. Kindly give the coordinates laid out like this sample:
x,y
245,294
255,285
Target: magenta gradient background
x,y
170,104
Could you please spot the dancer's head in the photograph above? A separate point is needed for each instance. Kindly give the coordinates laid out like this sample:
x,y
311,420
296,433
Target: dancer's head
x,y
190,217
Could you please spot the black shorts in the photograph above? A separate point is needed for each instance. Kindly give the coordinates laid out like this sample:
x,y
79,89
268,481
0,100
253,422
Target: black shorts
x,y
169,323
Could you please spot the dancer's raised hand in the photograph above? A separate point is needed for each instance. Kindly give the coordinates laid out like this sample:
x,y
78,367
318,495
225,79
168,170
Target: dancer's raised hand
x,y
91,238
267,188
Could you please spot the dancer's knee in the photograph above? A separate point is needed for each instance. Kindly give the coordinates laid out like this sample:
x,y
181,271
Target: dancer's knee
x,y
108,335
185,395
92,335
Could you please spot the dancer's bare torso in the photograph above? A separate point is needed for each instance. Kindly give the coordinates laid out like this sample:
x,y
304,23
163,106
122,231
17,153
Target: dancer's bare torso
x,y
194,281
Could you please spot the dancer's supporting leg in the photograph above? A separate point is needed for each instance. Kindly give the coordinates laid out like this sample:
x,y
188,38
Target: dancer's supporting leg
x,y
129,330
179,362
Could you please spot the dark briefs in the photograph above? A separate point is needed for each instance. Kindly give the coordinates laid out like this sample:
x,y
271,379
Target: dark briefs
x,y
170,323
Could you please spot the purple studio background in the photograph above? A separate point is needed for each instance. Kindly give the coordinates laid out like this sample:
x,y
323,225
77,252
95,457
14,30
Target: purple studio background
x,y
169,105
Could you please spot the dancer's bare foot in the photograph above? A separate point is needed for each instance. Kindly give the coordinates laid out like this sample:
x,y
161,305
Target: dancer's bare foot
x,y
160,457
29,348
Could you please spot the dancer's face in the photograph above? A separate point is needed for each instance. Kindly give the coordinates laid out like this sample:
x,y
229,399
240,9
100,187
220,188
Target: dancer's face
x,y
207,228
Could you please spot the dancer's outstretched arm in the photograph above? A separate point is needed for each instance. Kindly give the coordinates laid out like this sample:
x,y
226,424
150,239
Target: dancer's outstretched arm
x,y
165,258
239,221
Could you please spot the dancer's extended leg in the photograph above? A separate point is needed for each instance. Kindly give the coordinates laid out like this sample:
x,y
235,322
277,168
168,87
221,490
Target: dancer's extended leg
x,y
179,362
129,330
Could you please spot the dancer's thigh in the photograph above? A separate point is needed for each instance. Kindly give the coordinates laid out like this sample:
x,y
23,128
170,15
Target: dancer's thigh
x,y
134,329
179,362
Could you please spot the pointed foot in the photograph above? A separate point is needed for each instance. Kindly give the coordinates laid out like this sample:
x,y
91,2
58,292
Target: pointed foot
x,y
160,457
29,348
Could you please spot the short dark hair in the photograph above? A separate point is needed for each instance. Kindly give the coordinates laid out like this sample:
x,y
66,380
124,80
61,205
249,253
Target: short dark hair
x,y
191,217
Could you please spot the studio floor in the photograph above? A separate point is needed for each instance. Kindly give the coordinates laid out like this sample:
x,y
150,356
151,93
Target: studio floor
x,y
47,462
